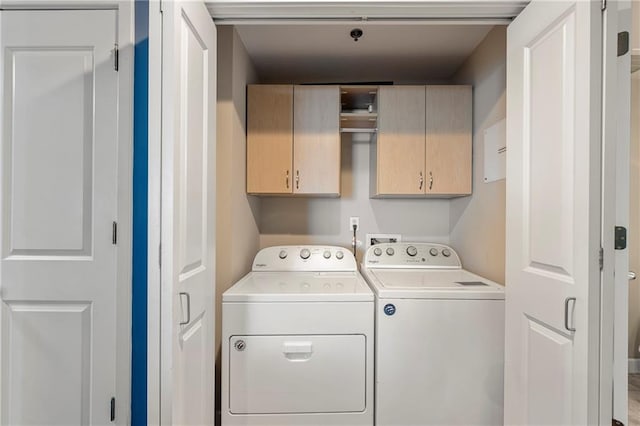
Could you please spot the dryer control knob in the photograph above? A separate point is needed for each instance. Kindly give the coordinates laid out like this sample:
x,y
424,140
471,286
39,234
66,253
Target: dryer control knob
x,y
377,251
339,255
446,252
433,252
326,254
390,251
305,253
412,251
283,254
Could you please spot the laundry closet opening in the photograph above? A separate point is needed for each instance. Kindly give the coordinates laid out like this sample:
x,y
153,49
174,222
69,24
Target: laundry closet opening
x,y
411,53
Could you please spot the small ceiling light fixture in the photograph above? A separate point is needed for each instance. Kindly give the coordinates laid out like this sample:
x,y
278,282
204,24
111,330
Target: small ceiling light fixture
x,y
356,33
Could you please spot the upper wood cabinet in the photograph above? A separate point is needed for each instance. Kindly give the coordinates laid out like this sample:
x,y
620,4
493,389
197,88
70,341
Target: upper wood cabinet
x,y
400,141
424,141
316,139
269,139
448,140
293,140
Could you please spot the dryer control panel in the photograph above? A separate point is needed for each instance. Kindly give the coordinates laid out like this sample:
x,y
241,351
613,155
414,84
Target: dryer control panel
x,y
412,255
305,259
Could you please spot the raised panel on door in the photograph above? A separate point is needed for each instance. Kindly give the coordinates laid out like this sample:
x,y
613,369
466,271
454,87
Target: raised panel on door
x,y
189,208
448,140
316,140
553,213
401,141
269,139
58,160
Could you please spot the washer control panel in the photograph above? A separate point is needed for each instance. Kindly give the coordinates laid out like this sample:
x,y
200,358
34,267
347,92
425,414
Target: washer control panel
x,y
304,258
412,255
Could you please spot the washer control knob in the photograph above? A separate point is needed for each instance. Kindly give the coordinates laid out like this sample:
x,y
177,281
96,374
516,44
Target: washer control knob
x,y
446,252
305,253
339,255
377,251
433,252
283,254
390,251
412,251
326,254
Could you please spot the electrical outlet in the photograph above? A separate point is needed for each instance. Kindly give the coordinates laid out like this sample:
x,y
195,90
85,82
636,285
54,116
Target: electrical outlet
x,y
354,220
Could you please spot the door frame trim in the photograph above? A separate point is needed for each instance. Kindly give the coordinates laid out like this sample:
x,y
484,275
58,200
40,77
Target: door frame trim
x,y
155,370
126,42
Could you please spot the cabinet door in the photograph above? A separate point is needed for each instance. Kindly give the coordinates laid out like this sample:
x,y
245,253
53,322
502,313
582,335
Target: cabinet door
x,y
316,136
269,139
400,145
448,140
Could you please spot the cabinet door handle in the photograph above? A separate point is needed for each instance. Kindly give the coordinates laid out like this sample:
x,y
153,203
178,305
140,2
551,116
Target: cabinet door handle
x,y
188,308
421,181
297,179
566,312
286,181
430,181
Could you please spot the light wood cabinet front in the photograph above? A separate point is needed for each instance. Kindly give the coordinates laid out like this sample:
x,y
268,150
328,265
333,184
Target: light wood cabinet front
x,y
316,140
269,139
448,140
400,166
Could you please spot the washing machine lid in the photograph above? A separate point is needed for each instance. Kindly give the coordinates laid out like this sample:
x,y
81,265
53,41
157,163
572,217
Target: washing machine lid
x,y
431,284
300,287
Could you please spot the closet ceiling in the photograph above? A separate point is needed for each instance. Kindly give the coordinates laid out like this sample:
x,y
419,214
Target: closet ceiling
x,y
325,53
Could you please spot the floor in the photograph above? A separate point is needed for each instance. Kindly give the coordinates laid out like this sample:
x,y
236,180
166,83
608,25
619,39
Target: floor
x,y
634,399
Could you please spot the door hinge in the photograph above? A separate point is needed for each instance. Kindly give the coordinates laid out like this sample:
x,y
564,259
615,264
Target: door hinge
x,y
620,238
623,43
114,233
601,258
113,409
603,5
116,57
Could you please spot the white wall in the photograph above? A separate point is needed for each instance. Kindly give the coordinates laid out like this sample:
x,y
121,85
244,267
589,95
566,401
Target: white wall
x,y
237,235
478,221
634,219
326,220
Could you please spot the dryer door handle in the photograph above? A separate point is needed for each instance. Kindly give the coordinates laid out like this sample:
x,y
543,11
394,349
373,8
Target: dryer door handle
x,y
297,351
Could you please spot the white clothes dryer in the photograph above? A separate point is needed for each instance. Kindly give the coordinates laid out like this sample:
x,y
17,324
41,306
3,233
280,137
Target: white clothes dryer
x,y
297,341
439,338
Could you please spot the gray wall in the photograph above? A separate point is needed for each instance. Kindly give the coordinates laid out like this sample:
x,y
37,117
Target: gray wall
x,y
326,220
237,235
478,222
473,225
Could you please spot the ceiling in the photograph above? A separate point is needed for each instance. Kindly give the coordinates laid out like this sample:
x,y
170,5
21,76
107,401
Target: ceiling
x,y
325,53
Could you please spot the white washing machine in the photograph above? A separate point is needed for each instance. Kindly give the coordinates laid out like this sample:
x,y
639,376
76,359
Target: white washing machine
x,y
439,338
297,341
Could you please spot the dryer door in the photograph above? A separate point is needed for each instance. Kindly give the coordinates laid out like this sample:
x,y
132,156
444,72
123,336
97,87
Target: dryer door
x,y
297,374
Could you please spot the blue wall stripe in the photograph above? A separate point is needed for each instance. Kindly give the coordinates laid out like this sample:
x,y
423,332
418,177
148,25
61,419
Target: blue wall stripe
x,y
140,210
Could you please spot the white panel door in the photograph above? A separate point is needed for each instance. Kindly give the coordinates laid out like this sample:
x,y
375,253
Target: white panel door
x,y
553,213
188,210
58,165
